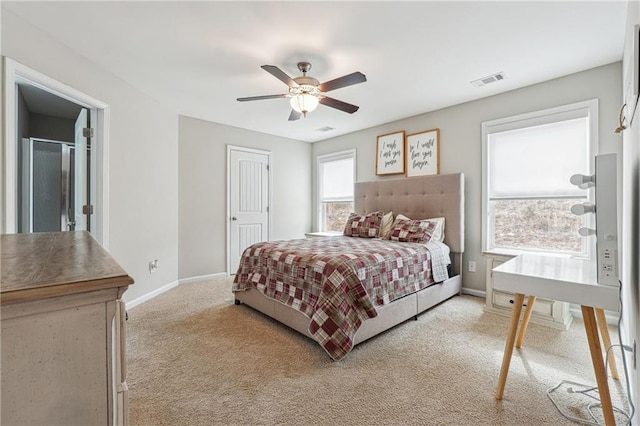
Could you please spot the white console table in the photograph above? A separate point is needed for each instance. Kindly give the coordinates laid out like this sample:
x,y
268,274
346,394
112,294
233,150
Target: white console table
x,y
564,279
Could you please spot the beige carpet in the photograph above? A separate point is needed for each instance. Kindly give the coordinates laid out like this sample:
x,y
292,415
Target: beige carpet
x,y
194,358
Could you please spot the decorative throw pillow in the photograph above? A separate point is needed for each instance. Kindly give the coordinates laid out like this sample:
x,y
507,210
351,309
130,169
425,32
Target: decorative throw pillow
x,y
438,233
387,224
412,231
367,226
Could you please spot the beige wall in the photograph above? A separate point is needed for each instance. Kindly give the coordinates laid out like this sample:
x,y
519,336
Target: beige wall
x,y
461,139
630,142
143,167
203,184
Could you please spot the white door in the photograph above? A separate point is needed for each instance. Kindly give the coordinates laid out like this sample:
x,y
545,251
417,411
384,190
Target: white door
x,y
248,201
80,178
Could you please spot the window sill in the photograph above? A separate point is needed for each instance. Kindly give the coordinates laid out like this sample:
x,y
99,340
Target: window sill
x,y
515,252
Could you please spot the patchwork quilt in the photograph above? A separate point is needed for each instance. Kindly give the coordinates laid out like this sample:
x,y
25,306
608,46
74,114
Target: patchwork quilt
x,y
337,282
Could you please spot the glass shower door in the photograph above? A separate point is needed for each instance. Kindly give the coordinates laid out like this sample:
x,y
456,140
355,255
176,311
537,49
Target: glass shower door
x,y
49,187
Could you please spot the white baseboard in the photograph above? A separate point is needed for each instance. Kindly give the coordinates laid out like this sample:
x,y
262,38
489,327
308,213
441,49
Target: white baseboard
x,y
140,300
157,292
203,278
472,292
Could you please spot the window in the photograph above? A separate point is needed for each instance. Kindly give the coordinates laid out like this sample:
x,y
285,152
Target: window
x,y
336,177
527,163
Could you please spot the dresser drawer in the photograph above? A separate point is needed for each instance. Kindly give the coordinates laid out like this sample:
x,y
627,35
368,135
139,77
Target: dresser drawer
x,y
542,307
551,313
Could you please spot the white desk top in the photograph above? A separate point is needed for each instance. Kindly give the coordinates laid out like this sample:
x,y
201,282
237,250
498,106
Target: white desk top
x,y
557,278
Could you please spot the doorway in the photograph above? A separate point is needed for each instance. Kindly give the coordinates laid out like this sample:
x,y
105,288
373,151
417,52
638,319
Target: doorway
x,y
53,182
64,131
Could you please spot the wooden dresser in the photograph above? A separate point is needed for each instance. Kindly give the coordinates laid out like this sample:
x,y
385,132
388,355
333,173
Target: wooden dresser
x,y
63,331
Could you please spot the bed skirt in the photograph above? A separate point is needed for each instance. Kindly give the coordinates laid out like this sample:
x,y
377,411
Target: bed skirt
x,y
388,315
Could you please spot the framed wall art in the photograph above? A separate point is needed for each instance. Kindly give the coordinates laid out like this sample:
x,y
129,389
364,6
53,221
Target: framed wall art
x,y
423,153
390,154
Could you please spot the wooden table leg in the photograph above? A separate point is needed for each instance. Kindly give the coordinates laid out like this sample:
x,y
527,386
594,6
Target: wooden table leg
x,y
606,340
525,320
508,346
591,328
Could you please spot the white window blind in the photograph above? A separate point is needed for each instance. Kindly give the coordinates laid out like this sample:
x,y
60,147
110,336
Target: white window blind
x,y
335,180
538,161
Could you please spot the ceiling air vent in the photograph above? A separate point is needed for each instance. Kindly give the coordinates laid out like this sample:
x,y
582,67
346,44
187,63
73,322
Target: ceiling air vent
x,y
488,79
325,129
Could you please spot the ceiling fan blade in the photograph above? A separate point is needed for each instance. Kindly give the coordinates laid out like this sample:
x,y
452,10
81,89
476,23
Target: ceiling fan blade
x,y
280,75
295,115
344,81
342,106
259,98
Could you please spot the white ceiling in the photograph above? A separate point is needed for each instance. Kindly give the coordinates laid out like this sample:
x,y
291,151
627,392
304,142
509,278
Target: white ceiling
x,y
197,57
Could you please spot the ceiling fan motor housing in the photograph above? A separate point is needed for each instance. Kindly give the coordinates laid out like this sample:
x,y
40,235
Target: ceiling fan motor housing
x,y
304,67
306,81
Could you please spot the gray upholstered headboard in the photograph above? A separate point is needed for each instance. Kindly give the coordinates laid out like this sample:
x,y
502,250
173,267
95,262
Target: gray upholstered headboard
x,y
421,197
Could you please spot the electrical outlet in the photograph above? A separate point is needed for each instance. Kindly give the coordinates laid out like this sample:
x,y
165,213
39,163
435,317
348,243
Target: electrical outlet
x,y
153,266
472,266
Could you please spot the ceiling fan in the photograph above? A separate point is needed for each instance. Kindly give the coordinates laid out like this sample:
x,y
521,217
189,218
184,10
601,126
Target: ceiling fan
x,y
306,92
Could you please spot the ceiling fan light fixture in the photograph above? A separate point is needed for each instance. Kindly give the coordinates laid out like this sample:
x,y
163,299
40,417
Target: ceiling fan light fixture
x,y
304,103
304,99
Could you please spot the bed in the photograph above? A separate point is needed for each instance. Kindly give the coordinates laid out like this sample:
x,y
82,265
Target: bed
x,y
344,312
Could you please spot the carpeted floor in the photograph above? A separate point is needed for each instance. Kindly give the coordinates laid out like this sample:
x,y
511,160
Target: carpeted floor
x,y
194,358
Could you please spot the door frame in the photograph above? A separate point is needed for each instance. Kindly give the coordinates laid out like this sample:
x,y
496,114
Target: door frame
x,y
269,198
100,116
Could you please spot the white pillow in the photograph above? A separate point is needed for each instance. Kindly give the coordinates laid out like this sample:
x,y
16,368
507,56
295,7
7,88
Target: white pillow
x,y
402,217
438,233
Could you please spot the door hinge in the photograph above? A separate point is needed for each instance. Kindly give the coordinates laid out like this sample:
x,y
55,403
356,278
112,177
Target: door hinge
x,y
87,132
267,209
87,209
267,167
